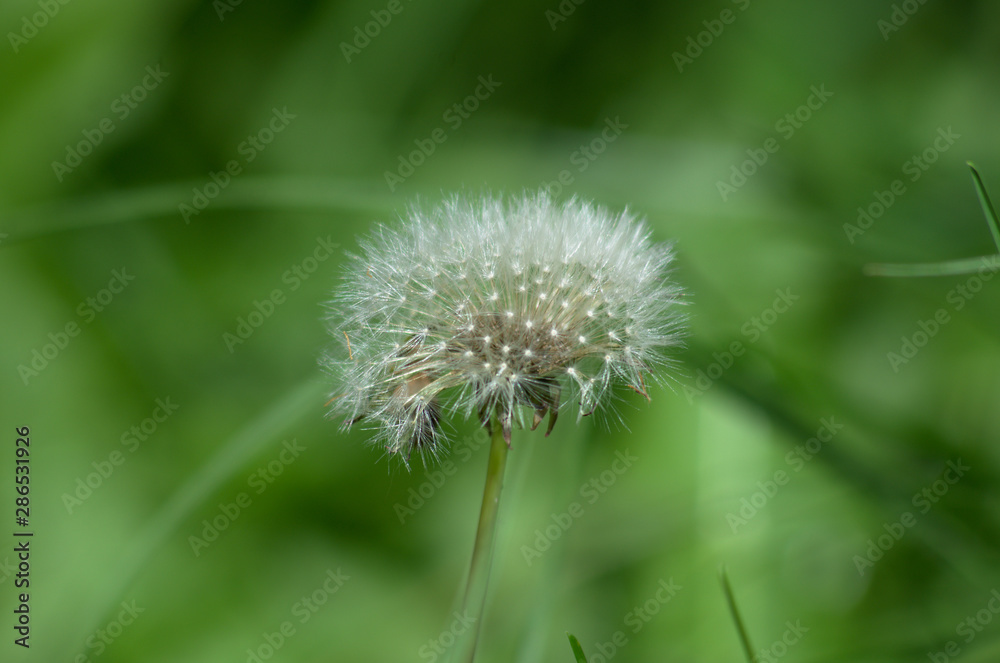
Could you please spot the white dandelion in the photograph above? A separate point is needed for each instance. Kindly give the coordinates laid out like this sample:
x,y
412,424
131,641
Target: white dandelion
x,y
505,308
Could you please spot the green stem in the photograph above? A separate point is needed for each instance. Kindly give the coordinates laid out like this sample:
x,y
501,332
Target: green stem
x,y
474,602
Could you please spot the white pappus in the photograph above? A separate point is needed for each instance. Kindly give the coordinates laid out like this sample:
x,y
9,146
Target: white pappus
x,y
497,306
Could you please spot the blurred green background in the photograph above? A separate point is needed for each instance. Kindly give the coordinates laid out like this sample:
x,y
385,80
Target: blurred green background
x,y
287,117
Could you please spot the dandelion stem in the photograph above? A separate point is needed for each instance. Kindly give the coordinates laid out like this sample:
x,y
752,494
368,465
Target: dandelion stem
x,y
476,588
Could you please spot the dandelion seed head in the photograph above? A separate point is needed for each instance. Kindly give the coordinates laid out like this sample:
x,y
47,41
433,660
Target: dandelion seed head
x,y
450,312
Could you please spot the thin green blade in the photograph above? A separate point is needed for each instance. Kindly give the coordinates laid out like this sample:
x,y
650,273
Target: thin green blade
x,y
948,268
577,649
951,267
735,612
984,200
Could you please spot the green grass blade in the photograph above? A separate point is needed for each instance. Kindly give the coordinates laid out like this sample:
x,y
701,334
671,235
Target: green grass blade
x,y
735,612
228,460
984,200
577,649
249,193
949,268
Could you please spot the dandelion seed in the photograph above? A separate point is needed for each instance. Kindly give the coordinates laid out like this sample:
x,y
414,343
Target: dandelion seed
x,y
405,366
350,354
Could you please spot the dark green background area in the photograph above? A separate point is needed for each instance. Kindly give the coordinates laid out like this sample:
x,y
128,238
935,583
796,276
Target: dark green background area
x,y
337,506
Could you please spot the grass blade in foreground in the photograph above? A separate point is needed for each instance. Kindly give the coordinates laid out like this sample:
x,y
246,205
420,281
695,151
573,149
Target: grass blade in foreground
x,y
984,200
951,267
735,612
577,649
